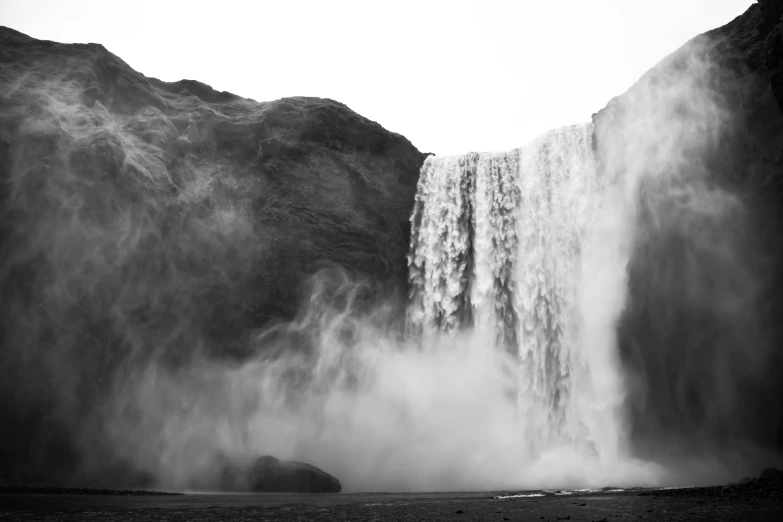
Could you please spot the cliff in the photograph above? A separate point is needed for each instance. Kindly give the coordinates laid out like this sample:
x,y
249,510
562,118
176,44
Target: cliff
x,y
142,218
701,138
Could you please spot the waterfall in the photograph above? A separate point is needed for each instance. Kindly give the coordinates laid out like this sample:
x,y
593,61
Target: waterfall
x,y
499,245
442,241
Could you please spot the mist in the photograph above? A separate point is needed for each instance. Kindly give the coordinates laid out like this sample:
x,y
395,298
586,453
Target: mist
x,y
131,356
696,336
106,268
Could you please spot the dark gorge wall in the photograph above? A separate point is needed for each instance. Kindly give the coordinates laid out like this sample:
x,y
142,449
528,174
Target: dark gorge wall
x,y
700,337
145,220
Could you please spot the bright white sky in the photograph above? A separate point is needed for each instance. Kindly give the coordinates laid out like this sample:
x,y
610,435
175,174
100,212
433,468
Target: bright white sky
x,y
451,76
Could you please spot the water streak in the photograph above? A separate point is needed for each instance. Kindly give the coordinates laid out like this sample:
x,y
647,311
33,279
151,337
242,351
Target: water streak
x,y
497,244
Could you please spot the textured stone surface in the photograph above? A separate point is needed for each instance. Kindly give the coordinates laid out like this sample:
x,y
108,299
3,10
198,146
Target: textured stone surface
x,y
270,474
140,218
700,337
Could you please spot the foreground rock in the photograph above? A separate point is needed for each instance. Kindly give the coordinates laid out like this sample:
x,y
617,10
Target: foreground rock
x,y
270,474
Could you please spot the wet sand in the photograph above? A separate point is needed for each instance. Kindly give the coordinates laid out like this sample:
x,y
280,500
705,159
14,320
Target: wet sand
x,y
697,504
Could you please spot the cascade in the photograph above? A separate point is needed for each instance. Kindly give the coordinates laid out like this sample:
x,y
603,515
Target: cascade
x,y
497,246
628,297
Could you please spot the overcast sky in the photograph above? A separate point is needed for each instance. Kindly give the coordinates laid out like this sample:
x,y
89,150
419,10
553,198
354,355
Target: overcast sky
x,y
452,76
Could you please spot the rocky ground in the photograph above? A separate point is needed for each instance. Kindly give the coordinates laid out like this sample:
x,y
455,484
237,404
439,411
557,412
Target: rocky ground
x,y
685,504
753,499
33,490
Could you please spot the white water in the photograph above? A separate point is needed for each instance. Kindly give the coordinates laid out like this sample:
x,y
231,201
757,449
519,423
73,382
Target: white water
x,y
524,247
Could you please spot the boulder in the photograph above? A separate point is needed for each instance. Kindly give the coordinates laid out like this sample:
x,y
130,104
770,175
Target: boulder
x,y
272,474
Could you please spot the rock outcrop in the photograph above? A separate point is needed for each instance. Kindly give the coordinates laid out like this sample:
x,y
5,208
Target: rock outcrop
x,y
272,475
140,218
757,37
700,337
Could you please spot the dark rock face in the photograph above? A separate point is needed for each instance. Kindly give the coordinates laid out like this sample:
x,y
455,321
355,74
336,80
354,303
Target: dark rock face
x,y
271,474
141,219
756,35
771,474
700,337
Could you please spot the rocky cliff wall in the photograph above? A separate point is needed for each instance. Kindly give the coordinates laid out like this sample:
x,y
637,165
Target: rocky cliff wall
x,y
143,219
699,141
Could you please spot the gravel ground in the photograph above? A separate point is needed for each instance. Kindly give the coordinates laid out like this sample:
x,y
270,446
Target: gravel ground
x,y
36,490
747,502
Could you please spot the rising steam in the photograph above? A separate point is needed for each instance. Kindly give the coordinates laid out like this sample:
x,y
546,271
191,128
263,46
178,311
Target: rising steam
x,y
117,264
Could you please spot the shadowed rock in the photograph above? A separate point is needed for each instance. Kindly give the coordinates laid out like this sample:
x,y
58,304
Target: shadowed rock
x,y
270,474
771,474
144,219
700,336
